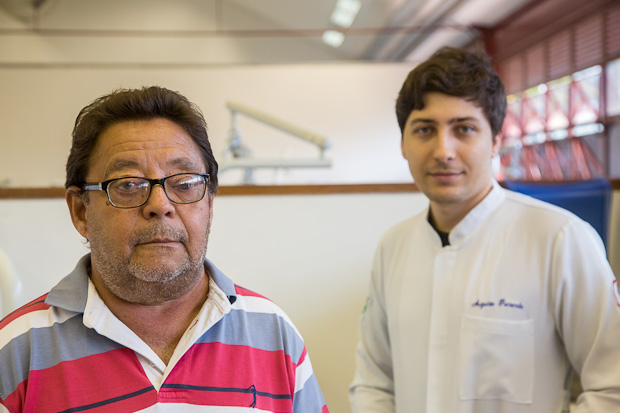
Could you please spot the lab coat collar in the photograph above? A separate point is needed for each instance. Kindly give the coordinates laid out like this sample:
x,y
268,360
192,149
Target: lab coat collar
x,y
477,215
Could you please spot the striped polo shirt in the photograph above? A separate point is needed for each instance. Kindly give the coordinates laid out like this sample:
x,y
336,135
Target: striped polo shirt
x,y
66,352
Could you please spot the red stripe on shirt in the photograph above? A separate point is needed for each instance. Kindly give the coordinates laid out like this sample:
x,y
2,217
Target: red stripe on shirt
x,y
225,397
248,293
230,397
14,402
235,367
96,379
35,305
304,353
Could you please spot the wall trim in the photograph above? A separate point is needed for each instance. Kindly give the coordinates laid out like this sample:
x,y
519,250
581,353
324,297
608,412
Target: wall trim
x,y
248,190
240,190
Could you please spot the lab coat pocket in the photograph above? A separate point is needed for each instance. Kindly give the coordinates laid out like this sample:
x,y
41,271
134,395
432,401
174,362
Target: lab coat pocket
x,y
496,360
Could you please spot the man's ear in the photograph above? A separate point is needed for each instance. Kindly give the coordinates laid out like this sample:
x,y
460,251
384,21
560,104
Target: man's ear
x,y
210,195
496,144
77,209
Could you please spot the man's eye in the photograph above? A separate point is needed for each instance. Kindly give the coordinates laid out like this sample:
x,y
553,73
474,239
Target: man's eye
x,y
466,129
129,185
422,130
186,184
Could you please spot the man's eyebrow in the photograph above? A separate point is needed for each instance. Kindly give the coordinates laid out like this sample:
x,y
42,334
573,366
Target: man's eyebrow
x,y
185,164
464,119
422,120
451,121
120,165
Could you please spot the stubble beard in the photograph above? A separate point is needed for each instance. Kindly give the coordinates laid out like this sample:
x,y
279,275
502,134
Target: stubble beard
x,y
147,283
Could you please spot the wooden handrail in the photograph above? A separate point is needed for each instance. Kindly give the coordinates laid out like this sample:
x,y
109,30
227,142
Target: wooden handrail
x,y
249,190
226,190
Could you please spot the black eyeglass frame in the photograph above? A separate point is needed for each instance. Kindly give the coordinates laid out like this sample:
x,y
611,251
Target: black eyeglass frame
x,y
103,186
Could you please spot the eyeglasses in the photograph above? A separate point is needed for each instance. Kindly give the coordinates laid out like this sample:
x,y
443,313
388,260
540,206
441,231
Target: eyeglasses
x,y
132,191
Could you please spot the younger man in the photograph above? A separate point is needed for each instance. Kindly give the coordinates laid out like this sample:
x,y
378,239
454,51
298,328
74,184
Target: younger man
x,y
489,300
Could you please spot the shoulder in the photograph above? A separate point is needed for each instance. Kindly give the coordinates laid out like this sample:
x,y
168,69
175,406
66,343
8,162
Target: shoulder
x,y
250,309
244,292
35,319
527,214
525,206
265,324
33,309
261,309
27,332
403,229
253,302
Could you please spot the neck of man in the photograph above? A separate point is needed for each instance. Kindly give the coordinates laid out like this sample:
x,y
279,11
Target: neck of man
x,y
444,236
447,215
161,326
443,218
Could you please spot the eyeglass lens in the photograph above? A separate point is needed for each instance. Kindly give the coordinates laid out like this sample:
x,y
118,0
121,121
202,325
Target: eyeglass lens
x,y
181,189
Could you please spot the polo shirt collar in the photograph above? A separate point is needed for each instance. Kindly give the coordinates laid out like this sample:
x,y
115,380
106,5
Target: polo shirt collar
x,y
71,293
222,281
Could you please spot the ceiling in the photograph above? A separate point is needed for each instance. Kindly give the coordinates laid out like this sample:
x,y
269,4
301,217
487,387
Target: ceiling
x,y
198,32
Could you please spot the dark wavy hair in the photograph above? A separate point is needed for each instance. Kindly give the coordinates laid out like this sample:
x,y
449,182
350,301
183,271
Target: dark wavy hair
x,y
455,72
129,105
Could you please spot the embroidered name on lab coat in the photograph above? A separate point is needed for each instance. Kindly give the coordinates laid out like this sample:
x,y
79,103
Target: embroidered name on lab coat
x,y
501,303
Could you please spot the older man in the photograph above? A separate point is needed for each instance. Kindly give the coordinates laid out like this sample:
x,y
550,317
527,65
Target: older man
x,y
488,300
145,322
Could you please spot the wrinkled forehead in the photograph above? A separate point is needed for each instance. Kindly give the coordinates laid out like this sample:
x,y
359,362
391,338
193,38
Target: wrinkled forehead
x,y
180,163
142,145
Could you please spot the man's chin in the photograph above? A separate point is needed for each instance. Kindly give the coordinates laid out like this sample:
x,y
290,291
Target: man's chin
x,y
159,252
158,269
151,286
445,195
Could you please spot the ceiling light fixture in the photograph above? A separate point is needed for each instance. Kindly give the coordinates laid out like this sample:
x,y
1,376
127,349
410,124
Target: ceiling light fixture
x,y
334,38
345,12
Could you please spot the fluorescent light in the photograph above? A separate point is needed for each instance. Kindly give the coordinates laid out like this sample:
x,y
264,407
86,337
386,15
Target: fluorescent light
x,y
333,38
345,12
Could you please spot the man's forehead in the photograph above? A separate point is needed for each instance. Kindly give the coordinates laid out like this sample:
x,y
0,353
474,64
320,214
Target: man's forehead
x,y
447,106
143,143
179,163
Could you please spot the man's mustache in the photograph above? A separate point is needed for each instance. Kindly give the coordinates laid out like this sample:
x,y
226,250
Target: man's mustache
x,y
157,233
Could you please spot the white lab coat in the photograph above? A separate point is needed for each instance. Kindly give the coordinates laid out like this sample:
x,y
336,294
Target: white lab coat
x,y
494,321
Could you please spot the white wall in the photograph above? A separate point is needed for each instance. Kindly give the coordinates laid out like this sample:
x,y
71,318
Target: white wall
x,y
351,104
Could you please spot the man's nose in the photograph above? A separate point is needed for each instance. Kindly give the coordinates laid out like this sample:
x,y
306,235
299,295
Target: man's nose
x,y
158,203
444,145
